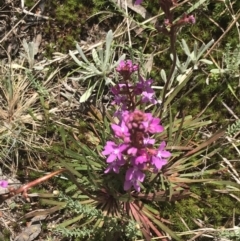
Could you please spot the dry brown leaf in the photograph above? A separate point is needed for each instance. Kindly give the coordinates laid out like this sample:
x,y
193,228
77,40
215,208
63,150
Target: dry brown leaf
x,y
136,8
29,233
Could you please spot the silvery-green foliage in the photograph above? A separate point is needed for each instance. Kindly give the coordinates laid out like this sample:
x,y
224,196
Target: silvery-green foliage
x,y
183,69
164,77
231,62
91,220
37,85
82,232
30,50
100,68
234,128
194,57
229,235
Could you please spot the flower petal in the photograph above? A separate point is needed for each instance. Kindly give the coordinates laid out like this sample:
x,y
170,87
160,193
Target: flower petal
x,y
127,185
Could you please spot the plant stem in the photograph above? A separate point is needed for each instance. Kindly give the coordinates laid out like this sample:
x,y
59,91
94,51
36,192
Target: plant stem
x,y
173,37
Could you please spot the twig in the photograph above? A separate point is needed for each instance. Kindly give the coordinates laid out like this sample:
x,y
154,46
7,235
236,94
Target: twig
x,y
173,37
228,29
20,21
23,189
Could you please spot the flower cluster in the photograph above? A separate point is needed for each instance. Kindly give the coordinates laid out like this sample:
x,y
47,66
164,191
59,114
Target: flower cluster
x,y
126,68
134,149
3,183
166,6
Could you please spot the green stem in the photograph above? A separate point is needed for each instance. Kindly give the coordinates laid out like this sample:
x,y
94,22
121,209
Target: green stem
x,y
173,37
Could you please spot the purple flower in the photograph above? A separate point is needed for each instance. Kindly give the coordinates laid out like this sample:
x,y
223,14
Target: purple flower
x,y
118,97
132,178
148,97
144,89
120,130
114,151
186,19
3,184
191,19
137,2
152,124
159,160
166,22
115,166
126,67
132,151
144,85
116,89
141,158
148,141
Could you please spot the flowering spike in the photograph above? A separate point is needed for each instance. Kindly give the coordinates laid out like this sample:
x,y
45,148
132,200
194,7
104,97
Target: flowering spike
x,y
134,150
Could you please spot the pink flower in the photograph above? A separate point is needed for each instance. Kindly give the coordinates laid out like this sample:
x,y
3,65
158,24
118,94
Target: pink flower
x,y
186,19
191,19
113,151
148,141
132,178
144,89
126,67
159,160
148,97
141,158
138,2
120,130
115,166
3,184
152,124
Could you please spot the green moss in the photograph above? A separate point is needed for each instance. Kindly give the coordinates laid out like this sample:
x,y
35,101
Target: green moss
x,y
5,234
29,3
67,24
212,208
26,207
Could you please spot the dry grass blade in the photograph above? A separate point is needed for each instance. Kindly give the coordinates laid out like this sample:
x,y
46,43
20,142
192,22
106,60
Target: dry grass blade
x,y
21,112
208,142
222,36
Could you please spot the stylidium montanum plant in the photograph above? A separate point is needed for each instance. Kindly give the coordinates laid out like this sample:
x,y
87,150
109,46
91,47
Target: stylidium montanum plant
x,y
134,149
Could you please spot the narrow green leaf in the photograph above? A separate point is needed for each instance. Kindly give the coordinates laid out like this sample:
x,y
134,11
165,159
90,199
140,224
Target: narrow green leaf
x,y
206,61
177,89
204,48
80,63
96,58
79,49
87,94
109,40
70,169
185,48
63,135
196,6
71,221
163,75
232,91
